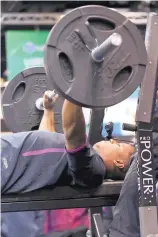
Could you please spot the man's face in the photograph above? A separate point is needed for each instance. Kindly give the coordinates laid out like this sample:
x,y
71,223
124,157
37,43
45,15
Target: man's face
x,y
114,153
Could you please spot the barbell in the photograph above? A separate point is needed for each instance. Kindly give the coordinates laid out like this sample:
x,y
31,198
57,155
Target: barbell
x,y
93,56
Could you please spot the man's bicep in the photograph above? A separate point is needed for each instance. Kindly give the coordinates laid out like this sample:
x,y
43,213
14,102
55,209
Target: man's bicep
x,y
86,166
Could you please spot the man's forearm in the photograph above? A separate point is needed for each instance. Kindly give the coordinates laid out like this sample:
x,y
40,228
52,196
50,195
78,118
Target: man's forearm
x,y
73,125
47,122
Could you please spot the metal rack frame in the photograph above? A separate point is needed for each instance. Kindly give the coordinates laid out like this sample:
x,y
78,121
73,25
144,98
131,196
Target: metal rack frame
x,y
138,18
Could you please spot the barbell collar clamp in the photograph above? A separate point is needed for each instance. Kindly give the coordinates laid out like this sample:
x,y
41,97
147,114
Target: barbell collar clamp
x,y
109,45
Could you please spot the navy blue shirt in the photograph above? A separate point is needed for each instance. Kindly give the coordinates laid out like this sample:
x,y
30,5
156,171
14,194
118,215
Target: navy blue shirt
x,y
31,160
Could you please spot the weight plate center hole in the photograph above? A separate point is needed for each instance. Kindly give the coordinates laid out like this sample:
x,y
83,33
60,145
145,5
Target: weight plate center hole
x,y
19,92
122,78
101,23
66,67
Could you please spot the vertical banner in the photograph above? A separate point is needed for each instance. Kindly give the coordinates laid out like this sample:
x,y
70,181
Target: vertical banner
x,y
24,49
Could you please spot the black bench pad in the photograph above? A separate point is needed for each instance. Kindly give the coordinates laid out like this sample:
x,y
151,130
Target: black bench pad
x,y
62,198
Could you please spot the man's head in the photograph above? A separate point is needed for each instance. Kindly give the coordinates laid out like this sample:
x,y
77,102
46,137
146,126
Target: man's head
x,y
115,156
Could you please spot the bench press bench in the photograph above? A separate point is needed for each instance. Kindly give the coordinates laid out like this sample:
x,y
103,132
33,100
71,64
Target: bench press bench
x,y
64,197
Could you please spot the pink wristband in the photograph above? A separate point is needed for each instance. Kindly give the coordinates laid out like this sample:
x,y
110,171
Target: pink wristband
x,y
79,148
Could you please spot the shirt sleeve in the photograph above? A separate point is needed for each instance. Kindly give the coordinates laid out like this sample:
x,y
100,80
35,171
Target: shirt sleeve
x,y
86,166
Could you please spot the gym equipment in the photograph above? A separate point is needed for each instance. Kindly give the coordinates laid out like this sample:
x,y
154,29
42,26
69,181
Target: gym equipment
x,y
108,46
19,99
144,131
129,127
62,198
99,57
39,101
144,128
109,129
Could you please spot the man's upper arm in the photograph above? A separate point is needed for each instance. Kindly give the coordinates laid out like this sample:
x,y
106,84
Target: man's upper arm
x,y
86,166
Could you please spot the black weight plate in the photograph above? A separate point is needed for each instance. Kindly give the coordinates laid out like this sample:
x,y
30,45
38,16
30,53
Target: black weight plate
x,y
73,72
19,97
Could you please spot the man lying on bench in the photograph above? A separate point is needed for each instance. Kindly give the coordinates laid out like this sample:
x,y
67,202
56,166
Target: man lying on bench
x,y
32,160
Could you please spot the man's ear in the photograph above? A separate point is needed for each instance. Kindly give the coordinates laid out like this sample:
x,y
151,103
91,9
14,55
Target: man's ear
x,y
119,170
